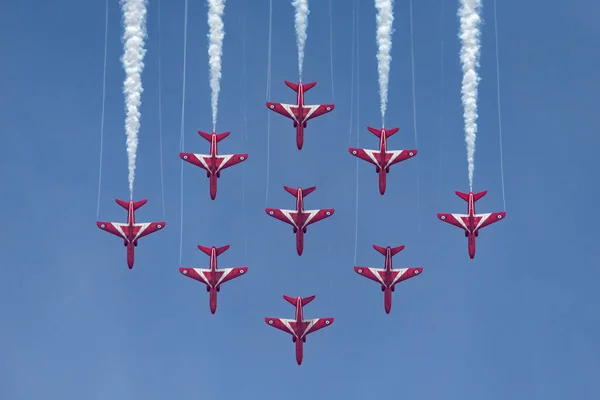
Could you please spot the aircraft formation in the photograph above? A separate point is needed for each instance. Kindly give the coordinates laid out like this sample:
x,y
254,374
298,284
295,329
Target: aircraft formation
x,y
299,218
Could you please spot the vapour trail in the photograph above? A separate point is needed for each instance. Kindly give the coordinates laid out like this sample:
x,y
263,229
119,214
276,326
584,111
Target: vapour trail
x,y
181,136
301,23
103,107
352,63
216,35
357,128
331,50
134,20
244,135
385,18
499,112
469,57
267,95
441,129
160,130
414,99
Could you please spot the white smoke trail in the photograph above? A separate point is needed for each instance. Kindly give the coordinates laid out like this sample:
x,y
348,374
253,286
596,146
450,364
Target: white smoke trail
x,y
215,51
134,19
469,57
385,18
301,24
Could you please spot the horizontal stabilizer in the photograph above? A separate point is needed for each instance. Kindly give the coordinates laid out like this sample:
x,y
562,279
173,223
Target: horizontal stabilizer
x,y
394,250
219,250
295,87
208,136
476,196
388,132
305,300
294,192
136,204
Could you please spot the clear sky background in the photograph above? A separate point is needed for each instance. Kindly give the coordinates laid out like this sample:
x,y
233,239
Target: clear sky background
x,y
520,321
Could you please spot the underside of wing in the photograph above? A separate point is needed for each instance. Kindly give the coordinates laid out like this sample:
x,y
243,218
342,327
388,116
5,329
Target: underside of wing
x,y
229,160
457,220
199,274
396,156
286,325
489,218
313,216
287,110
314,111
365,154
317,324
146,228
228,274
116,228
402,274
199,160
370,273
287,216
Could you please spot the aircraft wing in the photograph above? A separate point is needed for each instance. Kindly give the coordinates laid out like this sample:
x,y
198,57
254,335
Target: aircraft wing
x,y
317,110
147,228
489,218
287,110
396,156
286,325
402,274
116,228
454,219
317,324
199,160
287,216
199,274
229,160
317,215
365,154
373,274
228,274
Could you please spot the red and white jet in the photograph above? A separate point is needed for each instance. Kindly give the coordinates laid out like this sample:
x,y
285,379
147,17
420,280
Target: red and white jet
x,y
130,231
299,328
213,278
300,218
471,222
382,158
214,162
388,277
300,113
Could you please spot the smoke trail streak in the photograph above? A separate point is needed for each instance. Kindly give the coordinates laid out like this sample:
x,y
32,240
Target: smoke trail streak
x,y
267,95
244,135
357,129
414,99
301,23
134,20
103,108
385,18
441,129
352,63
215,52
469,57
160,126
331,50
181,136
499,110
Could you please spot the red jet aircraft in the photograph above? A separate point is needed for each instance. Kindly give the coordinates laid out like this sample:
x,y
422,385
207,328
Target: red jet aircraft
x,y
213,278
300,218
299,328
214,162
382,158
130,231
471,222
300,113
388,277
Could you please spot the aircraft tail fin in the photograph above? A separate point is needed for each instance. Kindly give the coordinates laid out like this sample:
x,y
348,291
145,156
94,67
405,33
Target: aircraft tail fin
x,y
219,250
208,136
395,250
388,132
136,204
295,87
292,300
305,192
476,196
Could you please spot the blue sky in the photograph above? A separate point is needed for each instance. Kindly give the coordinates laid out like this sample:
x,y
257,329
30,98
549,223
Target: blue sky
x,y
520,321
